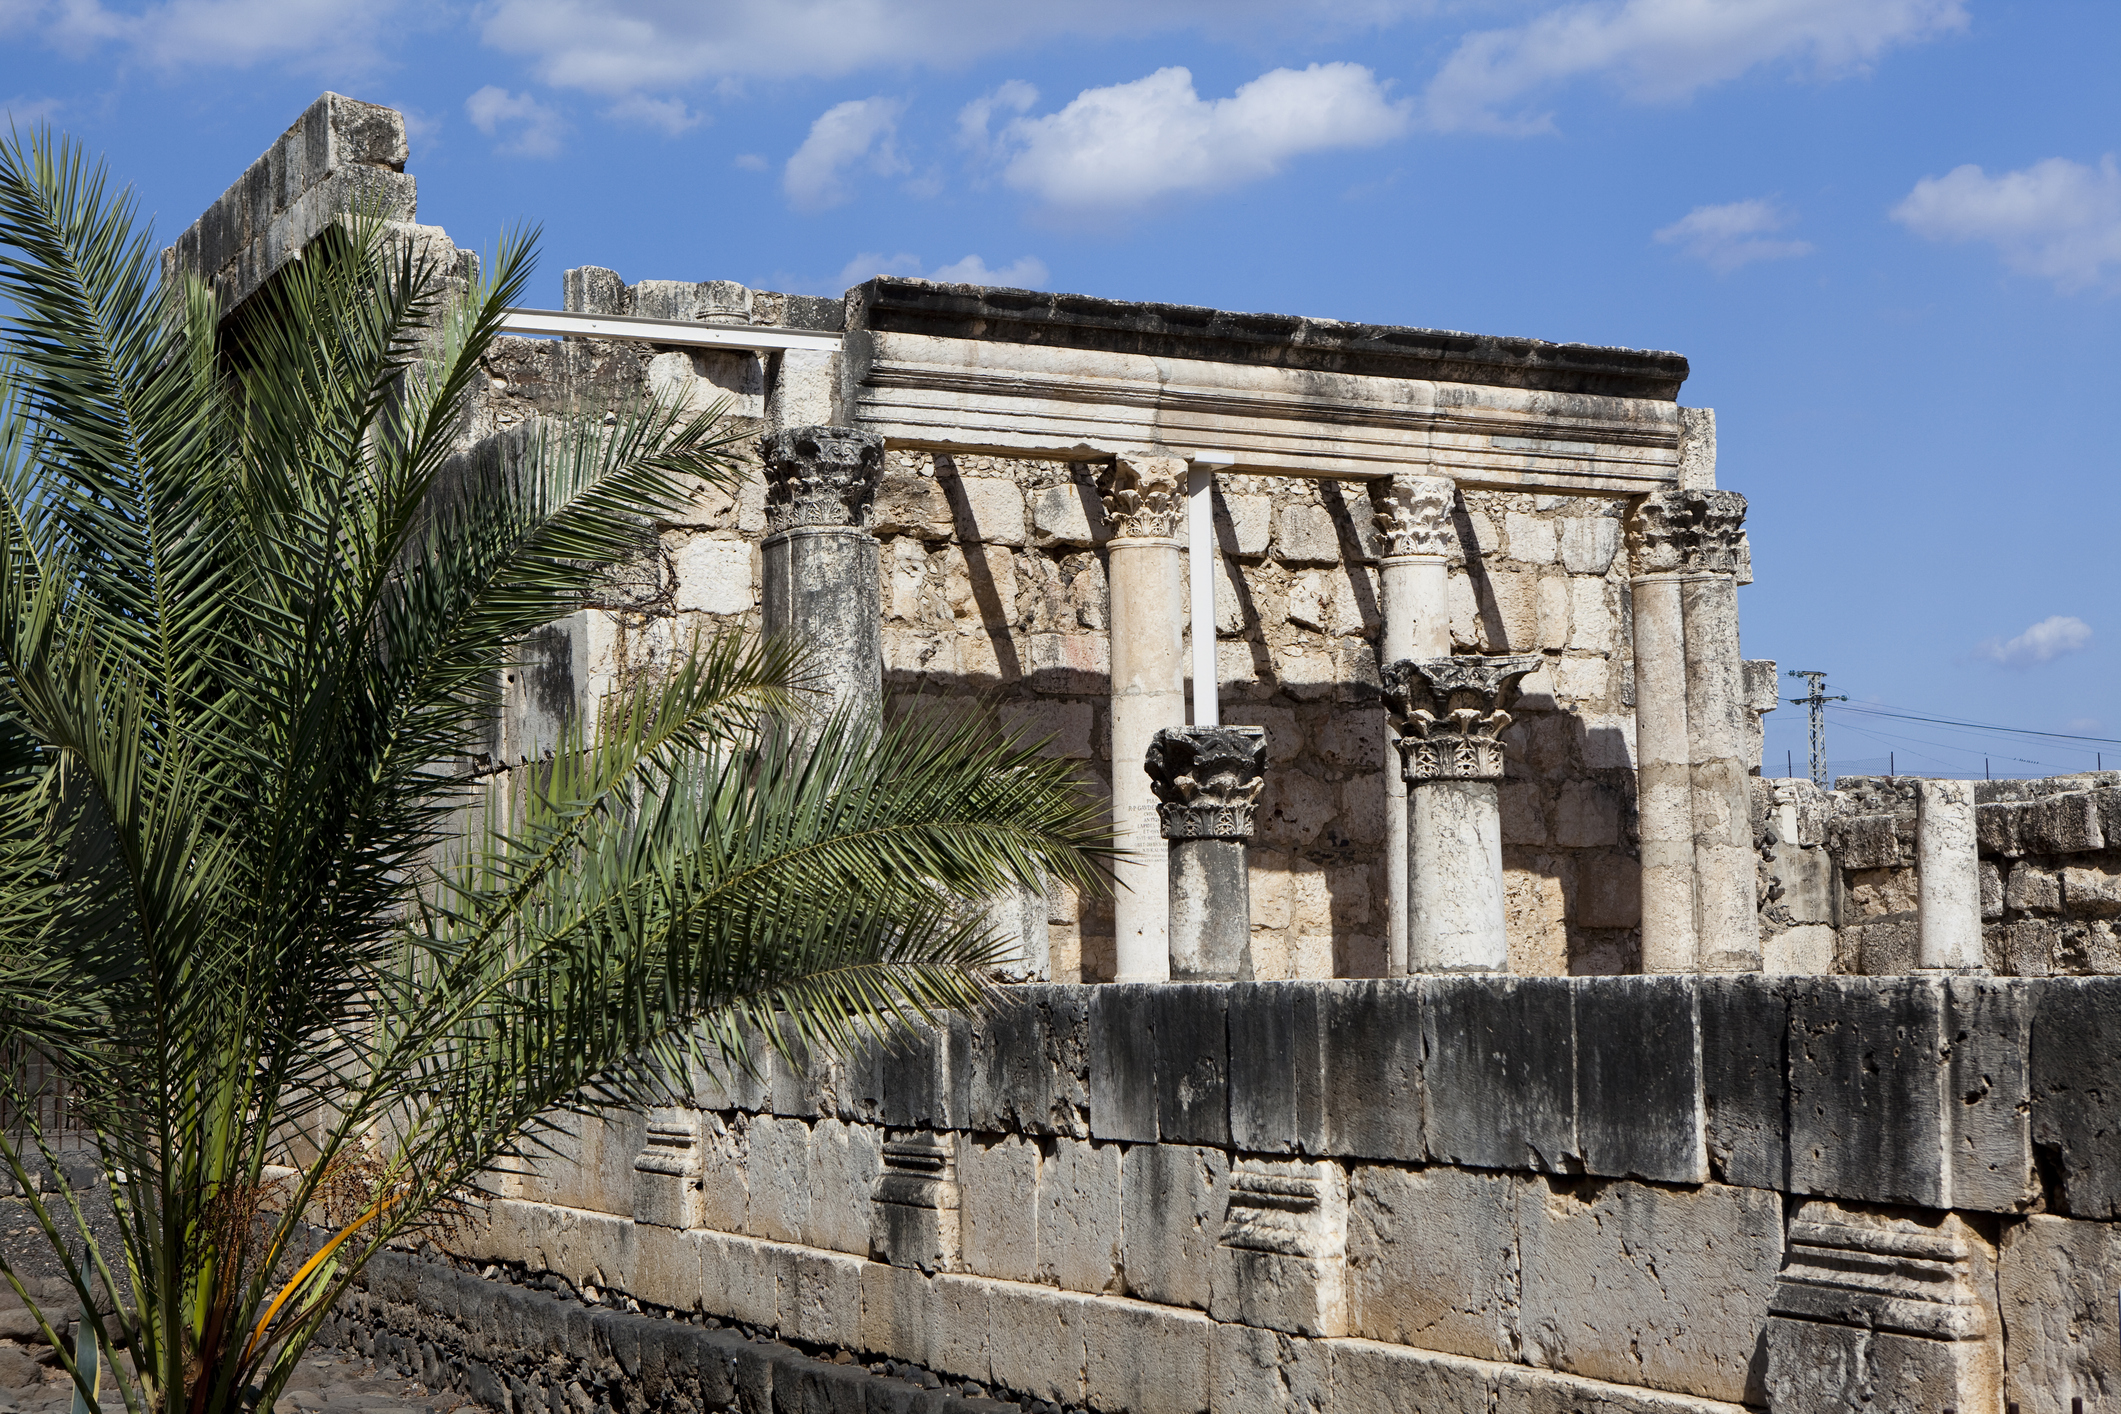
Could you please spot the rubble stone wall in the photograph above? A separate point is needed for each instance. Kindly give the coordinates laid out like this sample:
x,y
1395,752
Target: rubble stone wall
x,y
1531,1194
1839,878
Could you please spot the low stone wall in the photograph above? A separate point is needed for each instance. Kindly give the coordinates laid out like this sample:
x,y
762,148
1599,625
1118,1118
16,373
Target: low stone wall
x,y
1532,1194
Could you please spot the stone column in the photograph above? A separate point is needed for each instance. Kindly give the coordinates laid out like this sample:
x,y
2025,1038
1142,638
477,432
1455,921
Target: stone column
x,y
1663,791
1948,878
1208,779
821,571
1143,493
1726,888
1414,513
1451,755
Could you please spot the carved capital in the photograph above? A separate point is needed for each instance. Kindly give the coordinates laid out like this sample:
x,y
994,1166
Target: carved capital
x,y
820,476
1691,532
1452,714
1208,780
1144,495
1414,512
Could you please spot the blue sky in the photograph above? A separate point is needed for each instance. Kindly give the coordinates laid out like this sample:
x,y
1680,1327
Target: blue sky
x,y
1887,233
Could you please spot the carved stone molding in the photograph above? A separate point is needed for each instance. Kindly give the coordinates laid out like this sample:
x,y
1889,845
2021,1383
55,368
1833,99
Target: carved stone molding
x,y
666,1186
1869,1302
1691,532
1144,495
1207,780
1281,1254
822,476
913,1213
1414,512
1452,714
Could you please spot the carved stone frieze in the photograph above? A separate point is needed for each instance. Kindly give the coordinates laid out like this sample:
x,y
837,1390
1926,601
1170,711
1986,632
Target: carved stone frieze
x,y
1207,780
1144,495
1452,712
1691,532
822,476
1414,513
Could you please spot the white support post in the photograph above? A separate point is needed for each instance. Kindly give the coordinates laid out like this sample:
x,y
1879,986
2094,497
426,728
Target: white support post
x,y
1202,564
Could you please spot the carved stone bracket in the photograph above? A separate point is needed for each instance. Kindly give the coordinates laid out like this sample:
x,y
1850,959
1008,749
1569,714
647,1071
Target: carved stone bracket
x,y
1691,532
1208,780
823,476
1144,495
1414,513
1452,714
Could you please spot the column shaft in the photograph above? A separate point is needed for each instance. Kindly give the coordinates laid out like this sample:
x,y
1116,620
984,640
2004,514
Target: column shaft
x,y
1948,879
1142,497
1663,790
1211,911
1456,920
819,573
1726,891
1207,781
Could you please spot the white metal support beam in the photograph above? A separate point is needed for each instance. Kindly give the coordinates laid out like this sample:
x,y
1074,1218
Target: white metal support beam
x,y
1201,569
757,337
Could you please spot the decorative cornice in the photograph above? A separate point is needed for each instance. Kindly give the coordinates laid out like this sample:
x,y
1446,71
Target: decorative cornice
x,y
1849,1267
1414,512
1208,780
1452,714
1144,494
1691,532
820,476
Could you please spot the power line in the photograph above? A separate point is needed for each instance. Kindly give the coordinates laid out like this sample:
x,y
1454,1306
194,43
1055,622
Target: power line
x,y
1974,726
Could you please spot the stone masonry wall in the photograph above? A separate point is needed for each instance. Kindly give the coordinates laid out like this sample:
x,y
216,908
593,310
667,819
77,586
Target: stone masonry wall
x,y
1505,1195
995,600
1838,875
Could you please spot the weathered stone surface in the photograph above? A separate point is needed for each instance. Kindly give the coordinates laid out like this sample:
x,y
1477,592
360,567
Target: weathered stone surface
x,y
1522,1391
1500,1071
1638,1074
1277,1067
1254,1371
2055,1281
1432,1259
916,1079
1745,1037
1122,1057
1866,1091
998,1205
1987,1099
1079,1245
1646,1285
1171,1209
1145,1358
2076,1094
1029,1070
1373,1102
1280,1259
1158,1061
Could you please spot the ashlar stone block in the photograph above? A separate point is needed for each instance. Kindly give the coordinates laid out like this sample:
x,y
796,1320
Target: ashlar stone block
x,y
2076,1092
1280,1260
1278,1067
1648,1285
1745,1085
1035,1338
1145,1359
914,1216
1257,1371
1432,1259
1029,1064
780,1178
1638,1076
1172,1199
2055,1281
998,1198
1500,1071
845,1160
1373,1069
1079,1247
1370,1377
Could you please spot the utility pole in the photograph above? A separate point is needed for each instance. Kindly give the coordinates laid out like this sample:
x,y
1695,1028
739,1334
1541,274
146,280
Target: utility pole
x,y
1817,703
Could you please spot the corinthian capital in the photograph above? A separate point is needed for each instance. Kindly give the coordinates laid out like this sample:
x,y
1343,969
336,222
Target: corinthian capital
x,y
1452,713
1691,532
1144,495
1414,512
1208,780
820,476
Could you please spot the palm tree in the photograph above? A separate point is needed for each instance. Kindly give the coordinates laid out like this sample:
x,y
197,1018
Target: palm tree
x,y
308,975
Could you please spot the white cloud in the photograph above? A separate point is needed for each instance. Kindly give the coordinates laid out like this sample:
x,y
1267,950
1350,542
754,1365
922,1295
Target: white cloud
x,y
1124,145
669,114
1024,273
847,133
1733,234
620,46
536,127
333,34
1663,50
2048,639
752,161
1016,96
2058,220
26,112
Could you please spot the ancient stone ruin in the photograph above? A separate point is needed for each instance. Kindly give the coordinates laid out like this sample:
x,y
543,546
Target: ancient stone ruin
x,y
1473,1028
